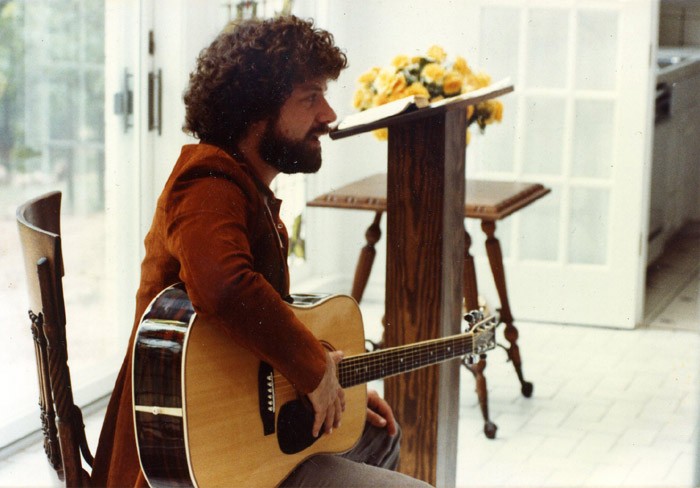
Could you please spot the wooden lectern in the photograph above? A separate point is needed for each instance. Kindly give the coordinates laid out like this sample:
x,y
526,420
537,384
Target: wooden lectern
x,y
425,252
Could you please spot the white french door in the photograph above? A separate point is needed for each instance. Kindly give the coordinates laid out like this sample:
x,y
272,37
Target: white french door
x,y
580,122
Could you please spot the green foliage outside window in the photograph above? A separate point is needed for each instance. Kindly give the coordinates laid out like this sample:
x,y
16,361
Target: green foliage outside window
x,y
297,245
52,110
13,152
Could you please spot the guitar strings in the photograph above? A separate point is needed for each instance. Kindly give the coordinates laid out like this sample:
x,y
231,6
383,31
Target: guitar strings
x,y
383,363
349,378
373,365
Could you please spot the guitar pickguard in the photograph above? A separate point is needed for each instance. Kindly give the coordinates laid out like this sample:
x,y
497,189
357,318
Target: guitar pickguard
x,y
294,424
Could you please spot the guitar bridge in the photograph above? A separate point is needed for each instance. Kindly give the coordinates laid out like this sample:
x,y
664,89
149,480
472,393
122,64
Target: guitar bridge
x,y
266,397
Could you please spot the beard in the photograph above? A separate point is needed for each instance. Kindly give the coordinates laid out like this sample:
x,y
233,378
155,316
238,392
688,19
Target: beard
x,y
292,156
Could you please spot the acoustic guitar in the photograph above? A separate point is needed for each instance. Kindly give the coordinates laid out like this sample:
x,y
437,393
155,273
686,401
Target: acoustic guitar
x,y
207,412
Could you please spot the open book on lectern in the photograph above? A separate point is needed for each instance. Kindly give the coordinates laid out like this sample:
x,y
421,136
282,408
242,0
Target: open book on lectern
x,y
416,102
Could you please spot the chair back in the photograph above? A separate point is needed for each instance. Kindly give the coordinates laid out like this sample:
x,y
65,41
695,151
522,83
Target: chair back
x,y
39,223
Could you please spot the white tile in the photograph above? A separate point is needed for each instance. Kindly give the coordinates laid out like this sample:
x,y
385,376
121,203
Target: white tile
x,y
594,447
589,412
679,429
510,422
607,475
606,426
550,417
493,474
624,409
518,449
539,474
647,383
683,472
572,434
660,408
638,436
28,468
556,448
546,387
688,406
577,387
625,455
650,472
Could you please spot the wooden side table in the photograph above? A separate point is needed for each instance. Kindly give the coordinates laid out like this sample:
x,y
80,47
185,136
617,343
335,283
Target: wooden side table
x,y
486,200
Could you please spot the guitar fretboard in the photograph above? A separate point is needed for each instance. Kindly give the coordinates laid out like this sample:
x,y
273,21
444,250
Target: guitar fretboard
x,y
375,365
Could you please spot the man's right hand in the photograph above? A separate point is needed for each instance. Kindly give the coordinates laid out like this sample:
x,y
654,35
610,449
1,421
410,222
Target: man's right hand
x,y
328,399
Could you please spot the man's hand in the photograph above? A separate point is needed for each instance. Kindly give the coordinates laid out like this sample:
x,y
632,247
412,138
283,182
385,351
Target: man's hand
x,y
379,412
328,399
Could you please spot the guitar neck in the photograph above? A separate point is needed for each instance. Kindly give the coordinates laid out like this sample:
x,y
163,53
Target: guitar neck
x,y
380,364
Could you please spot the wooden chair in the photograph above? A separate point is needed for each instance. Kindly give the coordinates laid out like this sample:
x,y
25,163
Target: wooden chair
x,y
61,419
486,200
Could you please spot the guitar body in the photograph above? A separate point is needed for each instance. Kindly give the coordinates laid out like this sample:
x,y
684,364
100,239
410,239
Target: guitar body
x,y
209,413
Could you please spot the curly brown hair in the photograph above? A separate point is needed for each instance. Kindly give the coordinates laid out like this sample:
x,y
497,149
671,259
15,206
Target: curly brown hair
x,y
248,72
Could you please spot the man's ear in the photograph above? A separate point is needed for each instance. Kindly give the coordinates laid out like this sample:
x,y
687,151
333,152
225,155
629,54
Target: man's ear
x,y
258,128
249,143
255,130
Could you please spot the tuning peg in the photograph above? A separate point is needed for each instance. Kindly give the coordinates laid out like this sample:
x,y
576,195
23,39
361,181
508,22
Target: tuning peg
x,y
473,317
471,320
470,359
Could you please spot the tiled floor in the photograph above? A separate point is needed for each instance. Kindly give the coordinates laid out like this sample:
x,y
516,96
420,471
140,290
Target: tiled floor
x,y
28,467
672,284
610,407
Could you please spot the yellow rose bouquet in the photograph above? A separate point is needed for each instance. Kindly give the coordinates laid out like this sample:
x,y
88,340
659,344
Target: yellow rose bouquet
x,y
431,76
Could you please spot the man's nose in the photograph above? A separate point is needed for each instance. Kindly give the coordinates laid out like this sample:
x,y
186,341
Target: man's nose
x,y
326,115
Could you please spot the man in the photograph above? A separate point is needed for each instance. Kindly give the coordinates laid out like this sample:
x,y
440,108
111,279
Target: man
x,y
256,101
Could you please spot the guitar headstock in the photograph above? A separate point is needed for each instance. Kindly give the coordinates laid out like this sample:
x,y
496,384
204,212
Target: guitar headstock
x,y
483,330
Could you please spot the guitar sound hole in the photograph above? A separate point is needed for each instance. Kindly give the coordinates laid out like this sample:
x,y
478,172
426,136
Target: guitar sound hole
x,y
294,424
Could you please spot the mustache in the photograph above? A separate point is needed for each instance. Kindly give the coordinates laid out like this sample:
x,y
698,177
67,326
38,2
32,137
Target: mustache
x,y
320,130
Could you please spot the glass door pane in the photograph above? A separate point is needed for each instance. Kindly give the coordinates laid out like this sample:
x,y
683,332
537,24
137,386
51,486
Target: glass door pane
x,y
52,137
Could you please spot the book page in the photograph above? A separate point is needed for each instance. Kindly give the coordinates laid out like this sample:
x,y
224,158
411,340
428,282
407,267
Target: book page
x,y
383,111
474,94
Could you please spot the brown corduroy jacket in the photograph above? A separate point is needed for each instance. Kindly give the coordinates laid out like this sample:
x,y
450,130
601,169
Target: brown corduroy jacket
x,y
217,229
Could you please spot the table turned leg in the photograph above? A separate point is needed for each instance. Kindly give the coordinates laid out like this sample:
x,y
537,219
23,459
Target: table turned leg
x,y
493,249
471,293
471,300
364,264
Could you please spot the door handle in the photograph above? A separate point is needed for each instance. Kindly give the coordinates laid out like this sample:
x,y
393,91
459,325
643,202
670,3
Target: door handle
x,y
124,102
155,97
